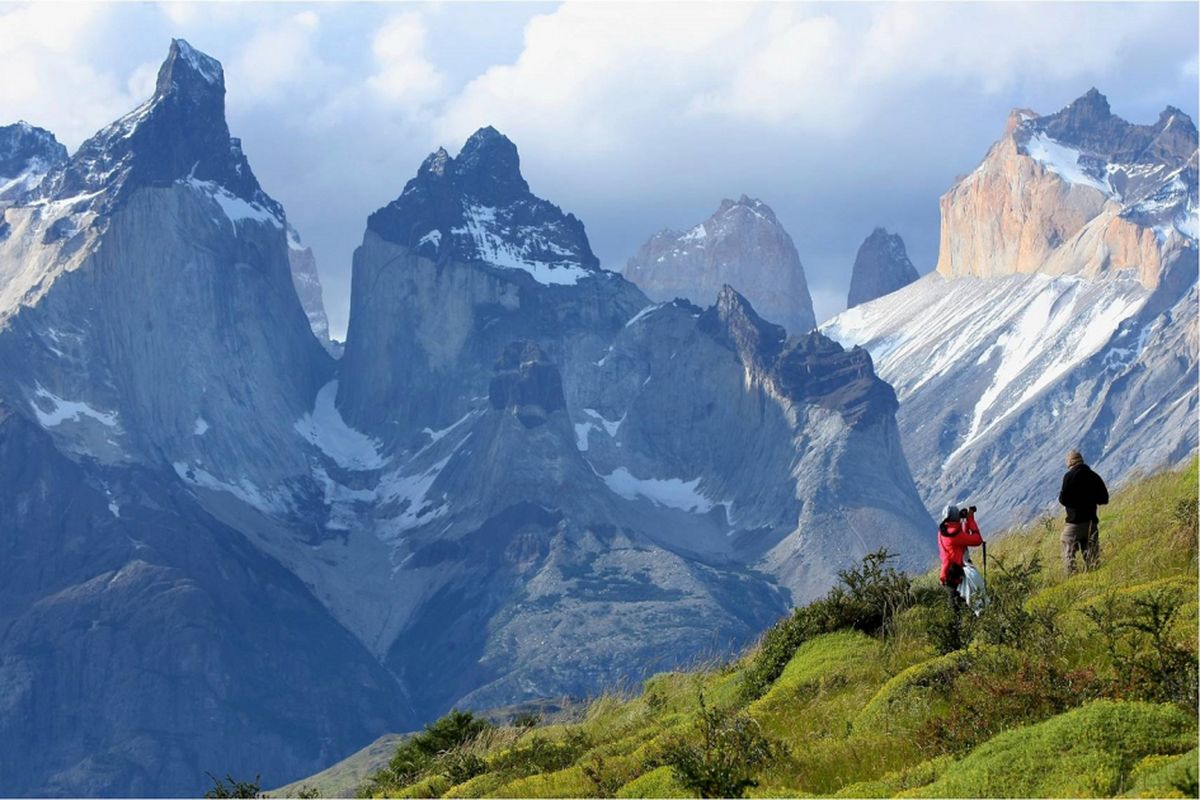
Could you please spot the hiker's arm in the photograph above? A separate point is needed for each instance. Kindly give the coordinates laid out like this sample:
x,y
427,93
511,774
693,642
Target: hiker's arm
x,y
1063,500
971,536
1101,492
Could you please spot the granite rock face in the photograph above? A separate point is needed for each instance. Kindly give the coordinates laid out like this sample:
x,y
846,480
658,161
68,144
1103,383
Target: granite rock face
x,y
742,245
1061,316
308,288
881,267
1077,192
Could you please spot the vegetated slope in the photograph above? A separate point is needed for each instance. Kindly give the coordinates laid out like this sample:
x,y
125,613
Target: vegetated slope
x,y
1066,686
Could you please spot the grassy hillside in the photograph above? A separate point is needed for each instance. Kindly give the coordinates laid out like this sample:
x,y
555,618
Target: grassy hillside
x,y
1079,686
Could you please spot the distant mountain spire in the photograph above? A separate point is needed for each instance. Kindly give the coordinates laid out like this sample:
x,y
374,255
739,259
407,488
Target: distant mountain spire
x,y
881,267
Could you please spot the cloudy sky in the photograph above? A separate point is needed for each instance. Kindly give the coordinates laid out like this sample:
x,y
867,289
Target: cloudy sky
x,y
634,116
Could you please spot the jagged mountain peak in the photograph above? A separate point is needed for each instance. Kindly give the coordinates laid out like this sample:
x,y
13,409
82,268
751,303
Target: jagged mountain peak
x,y
747,203
477,208
188,70
1090,107
489,167
806,368
733,320
179,134
1081,173
27,153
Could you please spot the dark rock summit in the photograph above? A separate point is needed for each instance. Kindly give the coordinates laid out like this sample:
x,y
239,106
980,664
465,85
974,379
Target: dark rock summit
x,y
27,153
477,208
881,267
178,134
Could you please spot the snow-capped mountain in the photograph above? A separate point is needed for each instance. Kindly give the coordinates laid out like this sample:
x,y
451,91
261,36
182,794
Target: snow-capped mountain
x,y
742,245
223,550
880,267
1062,313
27,153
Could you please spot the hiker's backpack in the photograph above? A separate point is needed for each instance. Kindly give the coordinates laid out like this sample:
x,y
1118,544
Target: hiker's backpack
x,y
972,589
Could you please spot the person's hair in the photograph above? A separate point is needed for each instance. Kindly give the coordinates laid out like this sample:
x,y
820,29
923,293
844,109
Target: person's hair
x,y
1074,458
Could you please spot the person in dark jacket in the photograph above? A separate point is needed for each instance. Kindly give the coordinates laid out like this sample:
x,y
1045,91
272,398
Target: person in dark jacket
x,y
1082,491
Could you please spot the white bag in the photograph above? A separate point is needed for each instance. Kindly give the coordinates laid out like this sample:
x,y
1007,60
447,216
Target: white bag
x,y
972,590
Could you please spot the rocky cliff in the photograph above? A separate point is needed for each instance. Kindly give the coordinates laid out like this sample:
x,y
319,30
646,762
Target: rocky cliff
x,y
742,245
308,288
1077,192
1041,332
880,267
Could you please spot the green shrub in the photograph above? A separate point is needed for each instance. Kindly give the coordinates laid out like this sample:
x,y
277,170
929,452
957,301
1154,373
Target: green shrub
x,y
722,759
903,703
868,599
1005,689
1005,618
1147,664
419,754
526,719
1166,776
232,787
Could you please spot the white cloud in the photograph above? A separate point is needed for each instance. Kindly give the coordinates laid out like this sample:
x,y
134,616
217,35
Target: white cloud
x,y
49,80
402,73
280,53
596,74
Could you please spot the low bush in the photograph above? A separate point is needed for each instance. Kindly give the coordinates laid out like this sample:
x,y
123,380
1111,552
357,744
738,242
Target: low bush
x,y
232,787
868,598
720,760
1147,664
427,752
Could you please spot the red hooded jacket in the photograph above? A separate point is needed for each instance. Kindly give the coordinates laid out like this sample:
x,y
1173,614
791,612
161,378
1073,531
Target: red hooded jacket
x,y
954,537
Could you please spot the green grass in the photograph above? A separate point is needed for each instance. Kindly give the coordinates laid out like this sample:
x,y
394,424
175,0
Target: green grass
x,y
1030,706
1088,752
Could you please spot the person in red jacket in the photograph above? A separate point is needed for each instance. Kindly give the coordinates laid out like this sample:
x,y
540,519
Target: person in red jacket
x,y
956,533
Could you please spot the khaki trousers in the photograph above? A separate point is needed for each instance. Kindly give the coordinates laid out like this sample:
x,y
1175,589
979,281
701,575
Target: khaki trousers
x,y
1085,538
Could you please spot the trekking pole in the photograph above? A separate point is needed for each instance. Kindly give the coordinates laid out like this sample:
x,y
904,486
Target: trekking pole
x,y
985,563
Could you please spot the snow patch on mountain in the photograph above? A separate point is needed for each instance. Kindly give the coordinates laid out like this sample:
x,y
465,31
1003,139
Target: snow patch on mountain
x,y
275,502
500,246
233,207
325,428
410,494
1044,326
1063,161
669,492
52,410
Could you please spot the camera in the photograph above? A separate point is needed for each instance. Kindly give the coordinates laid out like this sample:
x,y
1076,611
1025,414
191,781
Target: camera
x,y
963,513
